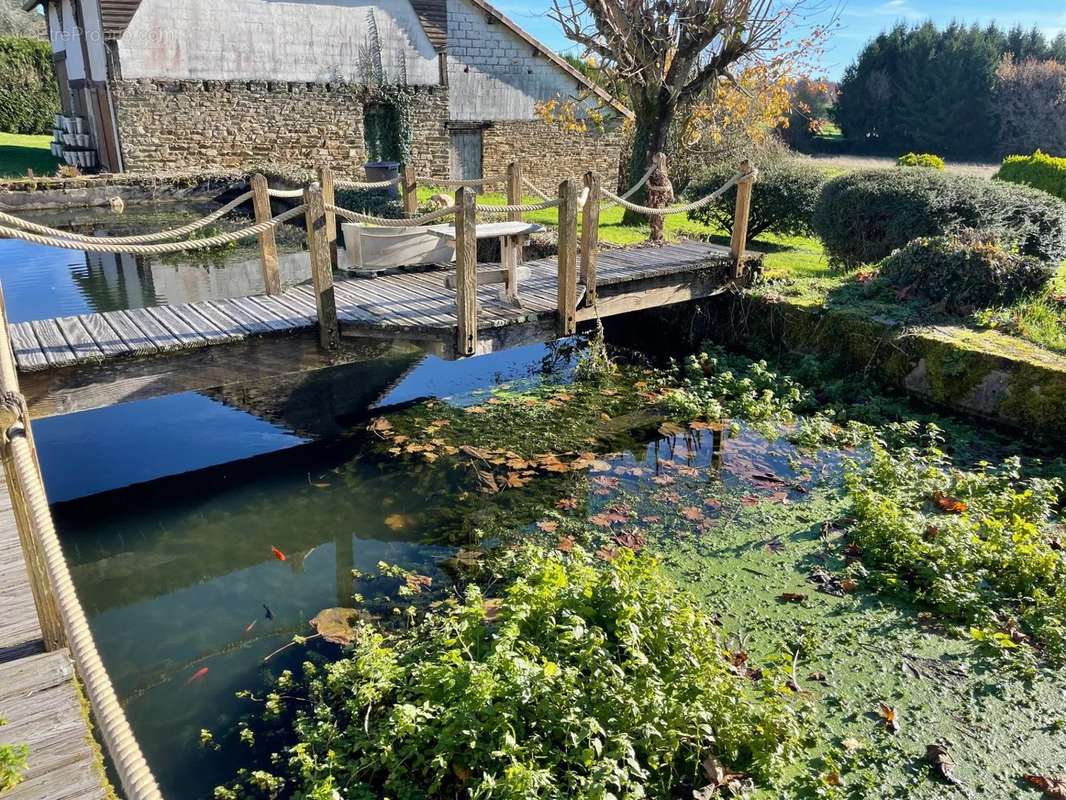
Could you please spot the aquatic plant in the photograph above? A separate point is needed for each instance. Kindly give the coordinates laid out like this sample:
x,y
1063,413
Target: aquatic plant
x,y
584,679
12,763
979,547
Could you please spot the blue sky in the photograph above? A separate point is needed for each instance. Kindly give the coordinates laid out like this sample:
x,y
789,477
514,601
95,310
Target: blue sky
x,y
860,20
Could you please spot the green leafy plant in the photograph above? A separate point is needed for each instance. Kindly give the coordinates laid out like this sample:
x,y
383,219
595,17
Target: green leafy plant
x,y
979,547
29,95
12,763
863,216
782,200
586,679
966,270
921,160
1038,170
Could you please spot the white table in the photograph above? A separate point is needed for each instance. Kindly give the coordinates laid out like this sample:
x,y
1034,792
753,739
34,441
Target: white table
x,y
512,236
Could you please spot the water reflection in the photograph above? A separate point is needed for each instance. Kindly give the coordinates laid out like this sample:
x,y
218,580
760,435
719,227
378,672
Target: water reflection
x,y
41,282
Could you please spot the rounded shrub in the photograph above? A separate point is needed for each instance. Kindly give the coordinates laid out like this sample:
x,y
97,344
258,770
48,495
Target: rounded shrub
x,y
29,95
782,200
967,270
1039,170
921,160
863,216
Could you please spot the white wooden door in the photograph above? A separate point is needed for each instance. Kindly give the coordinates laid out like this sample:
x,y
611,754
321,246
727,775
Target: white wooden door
x,y
466,155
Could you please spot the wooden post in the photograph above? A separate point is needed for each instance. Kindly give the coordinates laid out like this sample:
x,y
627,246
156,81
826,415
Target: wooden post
x,y
321,270
740,220
590,237
268,247
466,271
567,257
409,186
514,189
44,601
325,180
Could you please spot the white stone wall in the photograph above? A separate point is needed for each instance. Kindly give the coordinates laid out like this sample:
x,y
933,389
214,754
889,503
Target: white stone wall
x,y
267,40
493,73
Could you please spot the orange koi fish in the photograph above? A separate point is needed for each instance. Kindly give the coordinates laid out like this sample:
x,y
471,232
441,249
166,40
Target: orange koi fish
x,y
198,675
250,625
280,556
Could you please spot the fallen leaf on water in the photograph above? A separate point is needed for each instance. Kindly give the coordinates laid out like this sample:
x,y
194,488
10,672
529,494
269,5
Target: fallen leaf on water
x,y
566,544
475,409
548,525
791,597
888,714
515,481
250,625
1053,787
942,763
396,522
335,625
600,520
599,465
417,582
692,513
634,541
381,426
607,553
951,505
566,504
651,519
750,500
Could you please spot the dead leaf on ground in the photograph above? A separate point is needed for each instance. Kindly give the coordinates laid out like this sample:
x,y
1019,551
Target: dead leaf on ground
x,y
336,625
607,553
791,597
938,757
1053,786
548,525
719,777
566,544
952,505
889,715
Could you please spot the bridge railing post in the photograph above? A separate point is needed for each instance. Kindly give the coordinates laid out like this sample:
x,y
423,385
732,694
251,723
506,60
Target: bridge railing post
x,y
325,180
514,198
590,236
321,269
740,220
409,189
567,257
268,247
466,271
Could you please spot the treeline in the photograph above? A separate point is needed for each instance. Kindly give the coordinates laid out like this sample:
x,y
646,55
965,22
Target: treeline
x,y
29,96
963,92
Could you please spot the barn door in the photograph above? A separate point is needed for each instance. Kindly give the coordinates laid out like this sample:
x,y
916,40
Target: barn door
x,y
466,155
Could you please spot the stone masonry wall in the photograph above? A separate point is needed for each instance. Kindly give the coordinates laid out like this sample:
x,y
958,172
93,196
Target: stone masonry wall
x,y
166,126
549,155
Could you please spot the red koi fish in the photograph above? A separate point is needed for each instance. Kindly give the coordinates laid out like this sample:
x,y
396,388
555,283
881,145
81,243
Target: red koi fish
x,y
250,625
198,675
280,556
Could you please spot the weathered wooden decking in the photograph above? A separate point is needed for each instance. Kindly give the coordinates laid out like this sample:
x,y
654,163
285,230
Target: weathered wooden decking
x,y
411,303
37,693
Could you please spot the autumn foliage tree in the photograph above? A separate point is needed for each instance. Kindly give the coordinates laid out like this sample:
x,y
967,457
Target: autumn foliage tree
x,y
671,56
1030,105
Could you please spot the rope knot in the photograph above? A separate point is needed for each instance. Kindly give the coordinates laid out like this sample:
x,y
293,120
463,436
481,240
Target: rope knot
x,y
12,411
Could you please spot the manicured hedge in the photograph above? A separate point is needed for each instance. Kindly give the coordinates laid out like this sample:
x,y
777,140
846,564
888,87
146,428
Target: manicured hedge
x,y
29,96
921,160
782,200
863,216
1039,170
966,270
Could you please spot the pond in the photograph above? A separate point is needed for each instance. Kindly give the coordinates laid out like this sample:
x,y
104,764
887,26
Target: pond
x,y
41,282
191,582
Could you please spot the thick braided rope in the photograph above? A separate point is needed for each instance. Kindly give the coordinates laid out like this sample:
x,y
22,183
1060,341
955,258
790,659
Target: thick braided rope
x,y
451,183
366,185
134,774
387,222
105,245
173,233
629,192
286,193
662,212
493,209
529,185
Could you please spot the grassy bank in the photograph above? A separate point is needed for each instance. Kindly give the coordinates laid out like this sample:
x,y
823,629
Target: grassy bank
x,y
20,153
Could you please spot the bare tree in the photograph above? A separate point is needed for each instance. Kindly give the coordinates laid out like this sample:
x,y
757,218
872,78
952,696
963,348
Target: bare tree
x,y
667,52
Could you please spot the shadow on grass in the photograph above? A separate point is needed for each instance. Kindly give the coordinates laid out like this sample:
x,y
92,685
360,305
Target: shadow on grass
x,y
16,160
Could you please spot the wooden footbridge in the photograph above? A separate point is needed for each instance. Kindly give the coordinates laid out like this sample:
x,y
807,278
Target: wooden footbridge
x,y
97,359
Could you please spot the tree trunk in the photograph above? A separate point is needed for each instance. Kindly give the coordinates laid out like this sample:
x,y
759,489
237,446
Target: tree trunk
x,y
654,117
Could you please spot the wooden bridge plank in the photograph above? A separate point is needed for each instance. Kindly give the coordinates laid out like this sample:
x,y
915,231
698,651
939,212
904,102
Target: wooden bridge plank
x,y
155,332
127,330
55,347
239,315
79,339
268,318
299,305
109,342
201,324
273,305
28,352
351,307
401,302
176,326
220,320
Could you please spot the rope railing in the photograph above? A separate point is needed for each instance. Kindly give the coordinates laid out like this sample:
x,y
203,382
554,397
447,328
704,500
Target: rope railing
x,y
682,209
285,193
367,184
452,183
390,222
173,233
106,245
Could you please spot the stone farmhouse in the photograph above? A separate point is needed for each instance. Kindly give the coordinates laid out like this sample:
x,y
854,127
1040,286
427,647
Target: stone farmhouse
x,y
452,87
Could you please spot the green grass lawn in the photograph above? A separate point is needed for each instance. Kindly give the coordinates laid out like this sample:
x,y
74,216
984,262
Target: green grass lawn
x,y
19,153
